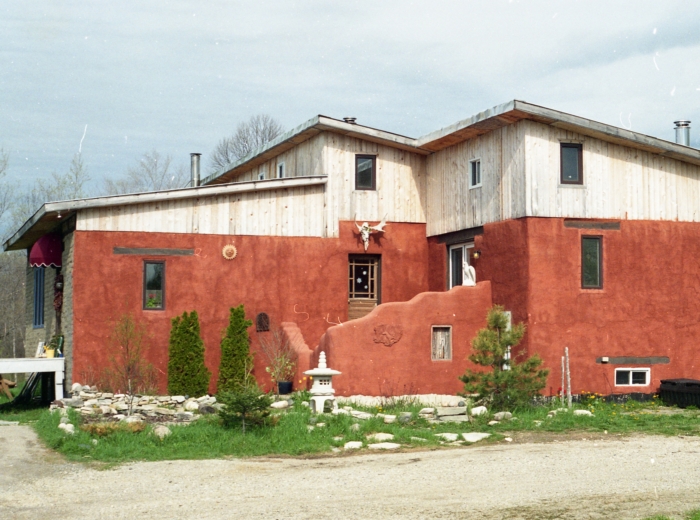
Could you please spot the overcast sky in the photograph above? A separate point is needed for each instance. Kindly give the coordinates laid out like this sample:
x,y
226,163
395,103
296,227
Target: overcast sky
x,y
177,76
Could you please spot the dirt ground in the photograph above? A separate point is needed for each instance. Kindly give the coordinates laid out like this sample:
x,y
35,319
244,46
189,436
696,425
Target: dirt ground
x,y
543,477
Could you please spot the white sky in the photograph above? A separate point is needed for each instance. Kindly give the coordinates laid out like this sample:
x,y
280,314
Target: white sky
x,y
178,76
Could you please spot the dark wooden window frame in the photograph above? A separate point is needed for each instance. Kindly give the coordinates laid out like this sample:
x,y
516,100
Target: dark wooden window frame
x,y
262,322
145,290
579,147
374,172
378,275
599,238
39,292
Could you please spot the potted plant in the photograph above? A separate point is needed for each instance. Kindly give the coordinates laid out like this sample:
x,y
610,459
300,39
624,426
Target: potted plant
x,y
281,359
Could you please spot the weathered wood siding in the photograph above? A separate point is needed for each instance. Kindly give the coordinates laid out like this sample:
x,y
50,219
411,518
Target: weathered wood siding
x,y
453,206
401,183
619,182
303,160
281,212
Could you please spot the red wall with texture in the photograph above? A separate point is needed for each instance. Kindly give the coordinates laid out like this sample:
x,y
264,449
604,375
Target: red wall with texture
x,y
292,279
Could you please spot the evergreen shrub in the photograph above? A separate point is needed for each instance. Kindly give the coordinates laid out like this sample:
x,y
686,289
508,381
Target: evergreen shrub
x,y
187,374
236,359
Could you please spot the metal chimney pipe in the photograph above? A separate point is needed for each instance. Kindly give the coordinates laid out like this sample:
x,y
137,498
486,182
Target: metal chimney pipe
x,y
682,132
194,159
350,120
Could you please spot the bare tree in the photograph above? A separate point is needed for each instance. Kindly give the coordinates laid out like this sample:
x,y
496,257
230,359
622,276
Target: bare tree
x,y
6,191
249,136
12,295
153,172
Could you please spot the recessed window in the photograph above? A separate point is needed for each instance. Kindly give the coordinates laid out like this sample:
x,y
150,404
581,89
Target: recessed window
x,y
571,163
38,297
459,255
632,376
365,172
442,344
592,262
262,322
280,170
154,285
261,176
475,173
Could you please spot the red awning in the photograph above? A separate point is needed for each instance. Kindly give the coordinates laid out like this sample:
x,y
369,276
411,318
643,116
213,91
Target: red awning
x,y
46,252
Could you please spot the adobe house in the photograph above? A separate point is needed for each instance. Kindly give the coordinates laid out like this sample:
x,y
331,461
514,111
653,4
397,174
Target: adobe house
x,y
585,232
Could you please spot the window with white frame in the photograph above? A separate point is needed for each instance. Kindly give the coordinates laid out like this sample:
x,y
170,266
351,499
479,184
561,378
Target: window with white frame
x,y
280,170
442,343
475,173
632,376
459,254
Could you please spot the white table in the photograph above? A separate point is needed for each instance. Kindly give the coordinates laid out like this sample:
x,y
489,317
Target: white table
x,y
30,365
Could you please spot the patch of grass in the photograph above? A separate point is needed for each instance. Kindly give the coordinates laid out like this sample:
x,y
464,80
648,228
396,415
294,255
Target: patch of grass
x,y
19,414
690,515
290,435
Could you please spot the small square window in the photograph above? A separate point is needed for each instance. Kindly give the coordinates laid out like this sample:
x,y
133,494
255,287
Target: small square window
x,y
592,262
475,173
442,344
632,376
154,285
571,163
280,171
365,172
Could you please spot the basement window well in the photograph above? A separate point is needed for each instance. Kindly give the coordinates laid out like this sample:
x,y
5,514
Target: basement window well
x,y
154,286
632,376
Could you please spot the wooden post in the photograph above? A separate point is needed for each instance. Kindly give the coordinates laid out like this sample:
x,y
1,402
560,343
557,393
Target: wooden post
x,y
562,392
568,375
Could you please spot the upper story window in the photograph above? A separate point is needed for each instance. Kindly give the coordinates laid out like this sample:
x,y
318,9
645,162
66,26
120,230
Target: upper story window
x,y
280,171
261,176
592,262
475,173
154,285
571,163
38,321
365,172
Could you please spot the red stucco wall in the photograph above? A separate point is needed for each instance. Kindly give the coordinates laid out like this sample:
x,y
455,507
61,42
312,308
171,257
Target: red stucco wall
x,y
370,367
292,279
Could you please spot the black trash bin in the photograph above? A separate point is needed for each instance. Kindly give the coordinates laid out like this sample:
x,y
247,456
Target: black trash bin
x,y
680,392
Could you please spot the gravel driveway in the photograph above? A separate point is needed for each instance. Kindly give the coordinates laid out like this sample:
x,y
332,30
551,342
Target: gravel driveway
x,y
589,477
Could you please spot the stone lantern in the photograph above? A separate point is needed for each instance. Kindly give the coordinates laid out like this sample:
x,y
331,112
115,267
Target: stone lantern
x,y
322,388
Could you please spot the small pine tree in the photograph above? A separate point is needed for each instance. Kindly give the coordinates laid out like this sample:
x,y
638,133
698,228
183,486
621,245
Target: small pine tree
x,y
235,353
510,383
187,374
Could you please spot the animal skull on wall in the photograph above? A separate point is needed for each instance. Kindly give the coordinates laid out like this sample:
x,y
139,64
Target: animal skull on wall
x,y
366,230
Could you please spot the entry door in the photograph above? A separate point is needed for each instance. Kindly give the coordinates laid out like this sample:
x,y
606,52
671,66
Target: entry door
x,y
363,284
458,255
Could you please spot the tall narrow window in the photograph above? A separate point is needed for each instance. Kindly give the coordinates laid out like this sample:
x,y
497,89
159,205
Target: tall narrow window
x,y
154,285
38,297
459,255
280,171
571,163
592,262
364,281
475,173
442,344
365,172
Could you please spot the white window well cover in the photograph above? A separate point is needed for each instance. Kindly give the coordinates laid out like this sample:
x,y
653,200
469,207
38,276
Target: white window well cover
x,y
632,376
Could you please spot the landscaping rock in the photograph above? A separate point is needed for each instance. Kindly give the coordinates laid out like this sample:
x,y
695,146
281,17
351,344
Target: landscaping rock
x,y
384,446
133,419
340,411
310,428
455,418
451,437
67,427
320,425
184,416
353,445
585,413
380,437
9,423
502,416
388,419
279,405
426,411
452,410
91,402
161,431
107,410
338,439
305,404
537,423
508,439
192,406
479,410
179,399
76,388
461,403
405,417
107,395
206,409
475,436
74,403
64,420
361,415
419,439
355,427
494,423
313,420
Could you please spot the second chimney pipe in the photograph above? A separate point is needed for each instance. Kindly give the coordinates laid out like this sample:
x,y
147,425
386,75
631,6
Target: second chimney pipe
x,y
194,158
682,132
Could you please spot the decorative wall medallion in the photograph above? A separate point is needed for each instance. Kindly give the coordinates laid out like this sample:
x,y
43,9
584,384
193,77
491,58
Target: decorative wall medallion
x,y
229,252
387,334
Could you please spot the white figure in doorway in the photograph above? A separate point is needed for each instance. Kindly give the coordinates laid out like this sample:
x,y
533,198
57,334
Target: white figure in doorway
x,y
468,274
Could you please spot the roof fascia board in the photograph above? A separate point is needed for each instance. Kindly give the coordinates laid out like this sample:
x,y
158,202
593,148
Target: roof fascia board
x,y
68,207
